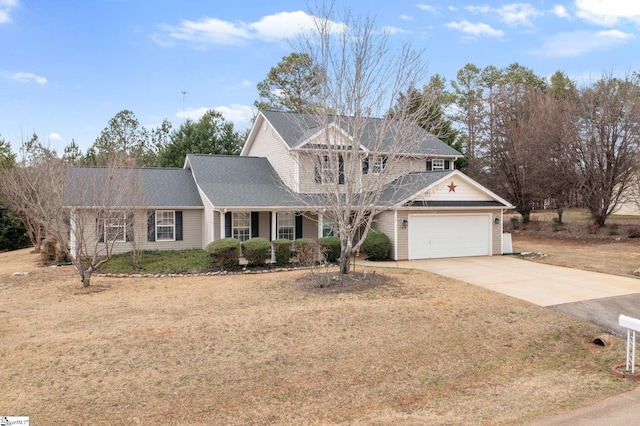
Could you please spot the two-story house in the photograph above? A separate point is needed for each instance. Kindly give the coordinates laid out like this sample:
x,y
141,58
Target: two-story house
x,y
427,207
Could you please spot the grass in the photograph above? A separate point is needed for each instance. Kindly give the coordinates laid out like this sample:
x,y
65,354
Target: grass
x,y
416,348
161,262
608,250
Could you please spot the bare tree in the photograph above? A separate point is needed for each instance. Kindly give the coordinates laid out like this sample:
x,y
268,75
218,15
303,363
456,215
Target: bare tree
x,y
517,147
606,143
33,189
351,157
104,203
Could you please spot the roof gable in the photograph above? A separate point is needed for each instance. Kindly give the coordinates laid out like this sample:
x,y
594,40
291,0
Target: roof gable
x,y
440,188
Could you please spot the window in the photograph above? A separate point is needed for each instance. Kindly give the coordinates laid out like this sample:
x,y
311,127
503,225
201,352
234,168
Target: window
x,y
286,226
326,169
378,165
437,164
241,223
328,226
165,225
115,226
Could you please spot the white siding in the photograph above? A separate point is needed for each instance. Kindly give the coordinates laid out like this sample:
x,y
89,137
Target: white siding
x,y
268,144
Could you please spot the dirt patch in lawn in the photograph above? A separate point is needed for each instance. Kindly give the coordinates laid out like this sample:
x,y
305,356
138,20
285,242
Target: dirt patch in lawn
x,y
262,349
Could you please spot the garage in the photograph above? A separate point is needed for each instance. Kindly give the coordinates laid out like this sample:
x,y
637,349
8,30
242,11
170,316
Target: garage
x,y
449,235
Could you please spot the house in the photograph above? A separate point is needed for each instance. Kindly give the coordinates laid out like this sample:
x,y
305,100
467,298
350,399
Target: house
x,y
428,208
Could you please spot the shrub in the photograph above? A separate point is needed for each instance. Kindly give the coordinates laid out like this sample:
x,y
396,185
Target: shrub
x,y
282,248
225,253
49,250
634,232
256,251
330,246
306,251
376,245
515,223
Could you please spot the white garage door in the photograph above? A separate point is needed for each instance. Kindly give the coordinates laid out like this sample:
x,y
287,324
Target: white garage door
x,y
433,236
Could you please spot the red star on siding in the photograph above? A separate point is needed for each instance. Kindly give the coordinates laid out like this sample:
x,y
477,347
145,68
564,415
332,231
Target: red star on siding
x,y
452,187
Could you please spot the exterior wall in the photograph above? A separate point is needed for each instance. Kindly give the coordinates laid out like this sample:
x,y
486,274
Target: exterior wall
x,y
267,143
384,222
264,225
217,218
191,232
310,225
402,235
208,228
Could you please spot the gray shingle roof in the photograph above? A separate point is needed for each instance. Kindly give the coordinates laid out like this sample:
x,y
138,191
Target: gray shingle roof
x,y
295,128
234,181
408,185
162,187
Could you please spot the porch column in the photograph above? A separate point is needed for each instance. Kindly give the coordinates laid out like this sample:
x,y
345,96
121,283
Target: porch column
x,y
274,234
320,224
223,221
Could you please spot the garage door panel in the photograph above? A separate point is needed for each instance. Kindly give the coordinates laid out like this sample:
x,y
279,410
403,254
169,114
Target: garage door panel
x,y
436,236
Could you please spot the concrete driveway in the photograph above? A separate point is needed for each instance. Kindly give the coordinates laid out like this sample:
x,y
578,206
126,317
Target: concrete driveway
x,y
543,285
591,296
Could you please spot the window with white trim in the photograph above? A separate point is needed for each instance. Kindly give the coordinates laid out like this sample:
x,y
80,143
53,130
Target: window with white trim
x,y
328,226
115,226
437,164
286,223
241,223
378,164
326,172
165,225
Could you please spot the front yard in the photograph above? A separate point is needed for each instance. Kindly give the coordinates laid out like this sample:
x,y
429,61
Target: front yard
x,y
272,349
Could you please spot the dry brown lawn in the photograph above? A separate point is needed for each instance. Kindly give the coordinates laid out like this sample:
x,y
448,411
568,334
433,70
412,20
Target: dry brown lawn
x,y
265,349
608,250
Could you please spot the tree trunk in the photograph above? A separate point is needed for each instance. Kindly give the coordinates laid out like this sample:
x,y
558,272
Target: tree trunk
x,y
559,210
345,256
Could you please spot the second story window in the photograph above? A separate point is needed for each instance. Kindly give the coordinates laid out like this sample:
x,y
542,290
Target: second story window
x,y
438,164
327,170
374,164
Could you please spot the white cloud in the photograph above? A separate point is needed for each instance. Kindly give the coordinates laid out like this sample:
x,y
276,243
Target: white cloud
x,y
608,12
214,31
560,11
192,113
576,43
513,14
477,30
54,136
28,77
406,17
426,7
246,83
6,7
518,14
240,115
394,30
478,9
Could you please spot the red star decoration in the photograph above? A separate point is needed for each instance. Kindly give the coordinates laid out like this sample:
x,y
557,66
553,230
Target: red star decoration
x,y
452,187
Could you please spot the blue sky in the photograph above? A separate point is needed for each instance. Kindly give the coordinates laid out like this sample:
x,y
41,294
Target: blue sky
x,y
68,66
